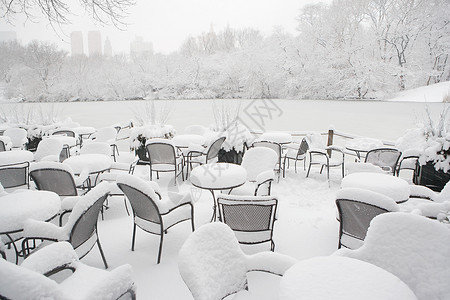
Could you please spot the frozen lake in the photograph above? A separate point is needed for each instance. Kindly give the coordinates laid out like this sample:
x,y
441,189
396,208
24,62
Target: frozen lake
x,y
386,120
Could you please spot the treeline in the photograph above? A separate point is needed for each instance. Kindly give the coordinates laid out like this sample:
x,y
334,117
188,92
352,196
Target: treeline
x,y
346,50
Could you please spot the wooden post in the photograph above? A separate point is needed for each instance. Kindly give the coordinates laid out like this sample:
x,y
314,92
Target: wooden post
x,y
330,140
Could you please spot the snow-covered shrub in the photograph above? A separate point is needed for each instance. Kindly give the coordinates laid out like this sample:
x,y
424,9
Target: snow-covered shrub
x,y
140,135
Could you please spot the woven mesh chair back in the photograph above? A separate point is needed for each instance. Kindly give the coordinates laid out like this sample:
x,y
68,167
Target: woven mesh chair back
x,y
85,226
142,205
355,217
384,157
14,175
2,146
54,180
161,153
247,217
213,150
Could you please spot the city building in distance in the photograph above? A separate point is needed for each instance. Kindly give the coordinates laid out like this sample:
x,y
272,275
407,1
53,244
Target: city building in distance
x,y
94,43
76,43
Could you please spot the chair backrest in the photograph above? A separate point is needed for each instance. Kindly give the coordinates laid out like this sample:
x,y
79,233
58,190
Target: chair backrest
x,y
272,145
96,148
14,175
141,196
303,148
213,150
384,157
257,160
2,146
65,132
413,248
86,225
250,217
356,209
48,147
161,152
17,136
54,177
212,264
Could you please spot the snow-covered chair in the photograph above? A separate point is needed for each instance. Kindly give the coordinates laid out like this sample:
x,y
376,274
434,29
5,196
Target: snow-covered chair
x,y
81,227
18,137
259,163
5,143
409,161
204,156
385,158
48,150
59,178
413,248
322,155
251,217
275,147
296,153
2,249
152,212
356,209
164,157
33,278
116,169
105,135
213,265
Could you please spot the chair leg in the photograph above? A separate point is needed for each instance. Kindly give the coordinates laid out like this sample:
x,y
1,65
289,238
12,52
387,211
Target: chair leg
x,y
309,169
160,247
134,236
101,252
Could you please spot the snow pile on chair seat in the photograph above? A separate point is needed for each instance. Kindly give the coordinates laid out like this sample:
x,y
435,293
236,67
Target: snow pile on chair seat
x,y
15,157
413,248
369,197
212,263
48,149
257,160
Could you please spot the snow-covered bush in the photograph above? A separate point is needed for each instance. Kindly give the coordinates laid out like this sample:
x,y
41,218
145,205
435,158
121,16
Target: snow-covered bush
x,y
140,135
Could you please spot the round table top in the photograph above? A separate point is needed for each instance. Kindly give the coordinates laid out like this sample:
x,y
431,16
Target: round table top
x,y
84,130
15,156
93,163
277,137
184,140
218,176
20,205
391,186
337,277
363,144
66,140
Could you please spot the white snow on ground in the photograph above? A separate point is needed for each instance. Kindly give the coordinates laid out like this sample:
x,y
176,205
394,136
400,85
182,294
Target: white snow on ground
x,y
432,93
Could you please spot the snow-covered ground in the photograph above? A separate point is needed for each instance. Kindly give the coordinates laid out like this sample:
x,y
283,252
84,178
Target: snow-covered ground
x,y
431,93
306,225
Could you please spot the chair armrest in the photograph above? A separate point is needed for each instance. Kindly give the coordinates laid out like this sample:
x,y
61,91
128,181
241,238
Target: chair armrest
x,y
116,283
270,262
336,148
420,191
40,229
317,151
56,256
265,176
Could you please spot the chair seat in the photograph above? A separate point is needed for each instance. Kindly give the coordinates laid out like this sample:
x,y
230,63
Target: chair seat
x,y
246,237
350,242
247,188
334,161
292,154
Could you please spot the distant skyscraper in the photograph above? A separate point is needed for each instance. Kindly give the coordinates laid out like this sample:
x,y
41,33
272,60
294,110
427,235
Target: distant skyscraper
x,y
107,51
7,36
140,47
94,43
76,43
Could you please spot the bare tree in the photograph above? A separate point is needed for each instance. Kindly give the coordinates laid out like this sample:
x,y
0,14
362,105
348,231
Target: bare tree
x,y
59,11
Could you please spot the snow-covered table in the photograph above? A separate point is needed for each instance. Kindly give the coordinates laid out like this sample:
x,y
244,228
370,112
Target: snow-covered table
x,y
363,145
218,176
277,137
92,164
21,205
337,277
185,140
84,132
391,186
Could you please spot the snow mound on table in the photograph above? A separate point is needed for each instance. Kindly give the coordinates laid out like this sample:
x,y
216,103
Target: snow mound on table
x,y
412,247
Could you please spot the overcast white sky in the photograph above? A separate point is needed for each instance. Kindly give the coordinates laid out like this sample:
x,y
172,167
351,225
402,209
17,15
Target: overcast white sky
x,y
166,23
